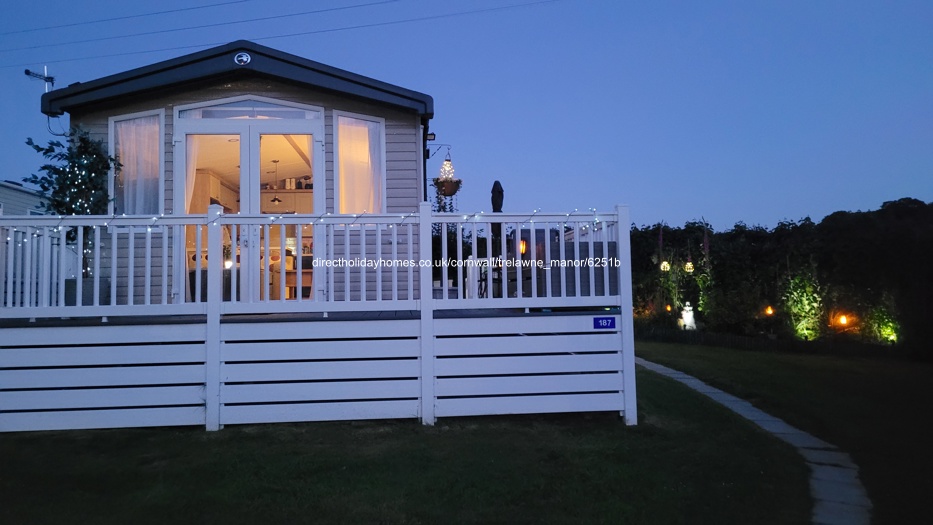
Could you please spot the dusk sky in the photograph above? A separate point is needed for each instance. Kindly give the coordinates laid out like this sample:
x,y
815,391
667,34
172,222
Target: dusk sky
x,y
724,110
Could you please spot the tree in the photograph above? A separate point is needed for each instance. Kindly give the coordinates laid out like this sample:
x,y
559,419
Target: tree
x,y
74,180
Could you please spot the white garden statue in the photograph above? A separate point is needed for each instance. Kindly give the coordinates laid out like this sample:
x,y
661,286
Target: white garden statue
x,y
687,317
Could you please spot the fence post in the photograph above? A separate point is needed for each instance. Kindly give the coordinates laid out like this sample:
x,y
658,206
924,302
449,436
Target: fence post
x,y
627,324
426,302
213,302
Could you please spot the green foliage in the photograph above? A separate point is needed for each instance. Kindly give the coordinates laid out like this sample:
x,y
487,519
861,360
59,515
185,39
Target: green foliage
x,y
672,281
879,257
742,284
653,287
804,305
880,325
865,264
704,279
74,180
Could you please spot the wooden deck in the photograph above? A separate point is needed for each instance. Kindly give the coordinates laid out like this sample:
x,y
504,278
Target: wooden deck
x,y
368,345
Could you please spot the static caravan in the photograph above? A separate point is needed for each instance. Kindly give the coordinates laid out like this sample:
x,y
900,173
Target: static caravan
x,y
270,255
16,199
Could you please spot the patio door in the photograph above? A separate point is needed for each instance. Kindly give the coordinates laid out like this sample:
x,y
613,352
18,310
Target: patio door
x,y
249,167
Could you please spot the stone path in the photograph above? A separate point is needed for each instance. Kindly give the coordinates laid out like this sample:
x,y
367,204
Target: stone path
x,y
838,495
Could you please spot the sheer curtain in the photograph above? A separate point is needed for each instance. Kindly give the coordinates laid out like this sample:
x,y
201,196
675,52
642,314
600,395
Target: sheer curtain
x,y
359,165
136,145
191,168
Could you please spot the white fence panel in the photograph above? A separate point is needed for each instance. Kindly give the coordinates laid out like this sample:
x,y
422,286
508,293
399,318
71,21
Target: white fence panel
x,y
542,364
509,323
322,329
528,364
320,370
153,332
112,418
96,377
321,350
520,385
102,355
528,405
70,377
527,344
101,398
289,413
320,391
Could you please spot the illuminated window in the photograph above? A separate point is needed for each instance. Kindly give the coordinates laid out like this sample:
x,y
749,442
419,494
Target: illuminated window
x,y
136,142
360,174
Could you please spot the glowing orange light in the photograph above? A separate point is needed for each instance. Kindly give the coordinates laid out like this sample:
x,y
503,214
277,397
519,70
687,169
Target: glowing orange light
x,y
668,308
843,320
769,311
522,246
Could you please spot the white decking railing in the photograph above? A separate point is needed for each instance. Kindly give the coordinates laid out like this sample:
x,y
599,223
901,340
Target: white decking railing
x,y
176,265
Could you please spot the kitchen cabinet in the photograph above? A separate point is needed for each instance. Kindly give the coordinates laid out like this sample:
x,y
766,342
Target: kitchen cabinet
x,y
293,201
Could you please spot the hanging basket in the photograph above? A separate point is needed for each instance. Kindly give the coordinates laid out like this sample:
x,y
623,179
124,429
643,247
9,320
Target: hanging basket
x,y
447,187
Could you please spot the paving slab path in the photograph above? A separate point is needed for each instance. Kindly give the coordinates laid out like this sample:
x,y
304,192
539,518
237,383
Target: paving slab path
x,y
838,495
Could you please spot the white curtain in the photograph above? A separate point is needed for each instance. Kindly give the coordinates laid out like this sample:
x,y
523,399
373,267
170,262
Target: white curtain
x,y
136,145
359,168
191,169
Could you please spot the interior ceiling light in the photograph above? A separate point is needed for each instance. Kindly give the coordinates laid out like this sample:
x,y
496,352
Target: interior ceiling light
x,y
275,196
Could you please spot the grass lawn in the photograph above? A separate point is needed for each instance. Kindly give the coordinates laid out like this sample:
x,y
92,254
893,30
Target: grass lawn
x,y
877,410
689,461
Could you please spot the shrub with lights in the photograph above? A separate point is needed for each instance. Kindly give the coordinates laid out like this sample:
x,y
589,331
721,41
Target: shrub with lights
x,y
74,180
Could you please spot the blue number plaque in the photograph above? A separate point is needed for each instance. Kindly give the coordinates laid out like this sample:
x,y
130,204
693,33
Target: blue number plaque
x,y
604,323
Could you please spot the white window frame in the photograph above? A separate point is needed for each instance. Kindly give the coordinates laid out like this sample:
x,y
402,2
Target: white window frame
x,y
336,114
258,98
111,122
182,127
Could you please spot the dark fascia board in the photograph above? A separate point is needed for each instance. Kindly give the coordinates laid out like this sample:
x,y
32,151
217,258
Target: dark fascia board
x,y
218,62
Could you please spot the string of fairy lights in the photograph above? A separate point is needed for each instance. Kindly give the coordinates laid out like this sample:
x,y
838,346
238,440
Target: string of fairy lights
x,y
132,222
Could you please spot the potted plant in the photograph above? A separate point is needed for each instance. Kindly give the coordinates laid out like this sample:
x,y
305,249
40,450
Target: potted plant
x,y
74,181
446,184
447,187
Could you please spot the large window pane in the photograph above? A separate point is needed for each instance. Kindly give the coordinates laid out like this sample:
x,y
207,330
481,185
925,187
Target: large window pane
x,y
136,147
359,165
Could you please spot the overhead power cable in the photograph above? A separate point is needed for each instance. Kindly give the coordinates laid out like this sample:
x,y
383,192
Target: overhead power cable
x,y
127,17
188,28
302,33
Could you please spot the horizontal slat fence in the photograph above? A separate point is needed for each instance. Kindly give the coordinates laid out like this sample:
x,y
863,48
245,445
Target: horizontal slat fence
x,y
512,365
326,370
75,377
